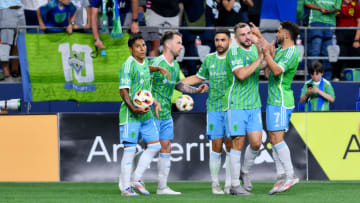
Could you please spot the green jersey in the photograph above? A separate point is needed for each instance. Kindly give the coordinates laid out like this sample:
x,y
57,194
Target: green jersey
x,y
163,87
317,102
279,87
317,16
134,76
213,69
242,94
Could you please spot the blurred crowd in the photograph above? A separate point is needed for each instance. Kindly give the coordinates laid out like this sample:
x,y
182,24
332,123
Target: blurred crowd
x,y
153,17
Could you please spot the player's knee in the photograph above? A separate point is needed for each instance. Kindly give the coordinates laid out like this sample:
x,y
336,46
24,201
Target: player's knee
x,y
255,146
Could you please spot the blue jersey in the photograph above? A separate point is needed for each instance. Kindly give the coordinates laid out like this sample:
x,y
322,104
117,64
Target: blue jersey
x,y
53,16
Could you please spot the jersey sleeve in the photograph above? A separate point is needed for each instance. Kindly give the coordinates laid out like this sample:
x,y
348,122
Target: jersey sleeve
x,y
45,9
330,90
203,72
303,90
287,61
125,81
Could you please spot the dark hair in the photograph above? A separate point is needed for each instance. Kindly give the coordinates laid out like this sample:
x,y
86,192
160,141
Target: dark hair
x,y
240,25
169,35
291,27
133,38
316,67
223,31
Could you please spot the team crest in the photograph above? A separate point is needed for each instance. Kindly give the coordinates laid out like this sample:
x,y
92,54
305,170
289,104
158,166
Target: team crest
x,y
76,61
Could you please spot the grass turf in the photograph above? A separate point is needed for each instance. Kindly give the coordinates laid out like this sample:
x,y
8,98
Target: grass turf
x,y
312,191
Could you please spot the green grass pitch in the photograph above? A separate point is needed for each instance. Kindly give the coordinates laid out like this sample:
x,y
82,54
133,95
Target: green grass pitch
x,y
312,191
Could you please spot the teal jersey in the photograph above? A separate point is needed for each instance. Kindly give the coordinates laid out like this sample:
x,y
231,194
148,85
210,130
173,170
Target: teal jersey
x,y
279,87
315,98
213,69
241,94
134,76
162,87
317,16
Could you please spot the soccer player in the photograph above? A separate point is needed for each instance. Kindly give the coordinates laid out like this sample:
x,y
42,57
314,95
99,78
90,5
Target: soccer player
x,y
213,69
162,89
243,106
135,122
282,65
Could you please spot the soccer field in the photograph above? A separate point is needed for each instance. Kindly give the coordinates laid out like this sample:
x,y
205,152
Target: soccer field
x,y
312,191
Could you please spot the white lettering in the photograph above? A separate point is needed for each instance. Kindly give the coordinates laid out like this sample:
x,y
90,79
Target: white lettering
x,y
98,141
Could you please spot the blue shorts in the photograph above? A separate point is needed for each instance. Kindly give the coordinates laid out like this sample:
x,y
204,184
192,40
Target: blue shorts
x,y
215,125
166,129
130,133
277,118
239,121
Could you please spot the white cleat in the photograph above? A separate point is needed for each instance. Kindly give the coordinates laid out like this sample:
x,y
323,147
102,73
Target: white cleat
x,y
216,190
290,181
227,189
140,186
279,182
167,191
129,192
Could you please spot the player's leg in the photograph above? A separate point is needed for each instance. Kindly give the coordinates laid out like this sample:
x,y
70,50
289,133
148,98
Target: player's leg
x,y
254,133
277,126
150,134
166,134
227,166
128,136
215,132
236,130
215,164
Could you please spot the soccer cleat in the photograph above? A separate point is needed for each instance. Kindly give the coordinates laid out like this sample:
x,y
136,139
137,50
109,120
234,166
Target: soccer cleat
x,y
291,181
140,186
216,190
245,179
238,190
129,192
227,190
280,181
167,191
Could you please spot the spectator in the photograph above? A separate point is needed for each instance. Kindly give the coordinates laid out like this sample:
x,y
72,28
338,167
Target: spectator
x,y
348,40
161,14
195,16
79,20
229,13
11,15
317,93
322,14
30,7
128,10
57,13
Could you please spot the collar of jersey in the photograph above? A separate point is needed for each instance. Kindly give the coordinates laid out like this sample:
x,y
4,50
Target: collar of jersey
x,y
162,55
143,63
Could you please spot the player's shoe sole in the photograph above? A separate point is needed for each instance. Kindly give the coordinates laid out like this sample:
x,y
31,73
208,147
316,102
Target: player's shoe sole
x,y
129,192
216,190
167,191
288,184
140,186
280,181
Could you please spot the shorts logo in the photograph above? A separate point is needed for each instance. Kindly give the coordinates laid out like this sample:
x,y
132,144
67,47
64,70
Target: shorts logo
x,y
235,127
132,134
211,126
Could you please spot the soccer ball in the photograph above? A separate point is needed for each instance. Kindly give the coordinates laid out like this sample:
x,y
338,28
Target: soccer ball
x,y
184,103
143,99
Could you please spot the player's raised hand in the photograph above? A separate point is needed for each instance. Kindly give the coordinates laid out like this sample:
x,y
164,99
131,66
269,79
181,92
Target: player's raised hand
x,y
157,107
203,88
255,30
